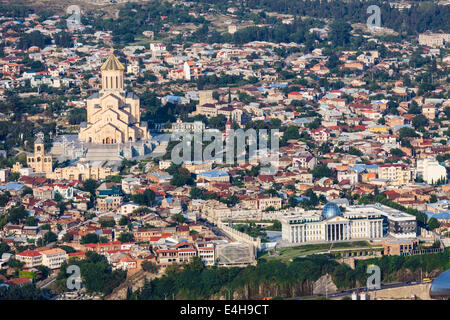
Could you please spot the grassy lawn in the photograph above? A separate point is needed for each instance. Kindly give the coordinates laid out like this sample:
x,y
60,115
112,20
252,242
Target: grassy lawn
x,y
289,253
354,244
286,254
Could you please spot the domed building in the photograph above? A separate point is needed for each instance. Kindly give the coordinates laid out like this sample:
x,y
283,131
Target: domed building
x,y
330,225
331,210
440,287
113,115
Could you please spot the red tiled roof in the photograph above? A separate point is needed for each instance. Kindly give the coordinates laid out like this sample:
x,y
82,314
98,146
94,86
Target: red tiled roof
x,y
29,253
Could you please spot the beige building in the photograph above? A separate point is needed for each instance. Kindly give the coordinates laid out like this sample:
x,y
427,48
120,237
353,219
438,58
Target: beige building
x,y
196,126
429,111
53,258
205,97
434,39
39,161
31,258
109,203
397,174
113,115
265,202
82,171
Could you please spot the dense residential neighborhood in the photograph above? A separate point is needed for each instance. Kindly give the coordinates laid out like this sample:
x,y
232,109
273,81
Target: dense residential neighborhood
x,y
88,115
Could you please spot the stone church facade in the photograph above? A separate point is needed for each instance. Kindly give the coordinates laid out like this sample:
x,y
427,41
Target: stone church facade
x,y
39,161
113,115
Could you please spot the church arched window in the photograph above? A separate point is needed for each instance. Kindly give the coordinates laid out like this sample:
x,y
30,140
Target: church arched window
x,y
106,82
117,82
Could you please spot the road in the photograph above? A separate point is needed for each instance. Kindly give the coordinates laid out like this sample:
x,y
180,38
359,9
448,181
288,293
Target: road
x,y
364,289
211,226
42,284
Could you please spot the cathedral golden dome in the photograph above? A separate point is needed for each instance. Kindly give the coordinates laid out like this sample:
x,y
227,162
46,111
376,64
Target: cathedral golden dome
x,y
112,64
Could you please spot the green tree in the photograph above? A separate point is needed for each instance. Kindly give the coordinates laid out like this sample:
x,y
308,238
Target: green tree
x,y
196,193
340,33
90,185
147,198
321,171
433,223
125,237
396,152
420,121
89,238
31,221
149,266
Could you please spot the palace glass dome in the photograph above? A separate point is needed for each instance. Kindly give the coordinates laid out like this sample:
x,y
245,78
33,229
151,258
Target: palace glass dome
x,y
330,210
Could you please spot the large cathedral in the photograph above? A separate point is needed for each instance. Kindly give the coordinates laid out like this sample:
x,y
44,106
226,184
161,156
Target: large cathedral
x,y
113,115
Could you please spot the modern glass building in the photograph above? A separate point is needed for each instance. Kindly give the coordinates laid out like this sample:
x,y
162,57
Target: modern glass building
x,y
440,287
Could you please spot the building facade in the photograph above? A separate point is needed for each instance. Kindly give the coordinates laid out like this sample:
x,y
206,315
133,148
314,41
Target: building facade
x,y
82,171
431,170
39,161
397,174
53,258
331,226
113,115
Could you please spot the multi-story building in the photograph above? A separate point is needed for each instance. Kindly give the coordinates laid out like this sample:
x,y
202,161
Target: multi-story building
x,y
397,174
109,203
191,70
31,258
430,170
397,223
266,201
305,161
350,175
43,192
400,247
181,252
65,191
215,175
82,171
196,126
53,258
434,39
127,208
429,111
206,252
130,184
320,135
331,225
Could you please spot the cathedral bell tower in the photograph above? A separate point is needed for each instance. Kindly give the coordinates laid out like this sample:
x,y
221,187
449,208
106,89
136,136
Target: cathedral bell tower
x,y
112,74
39,161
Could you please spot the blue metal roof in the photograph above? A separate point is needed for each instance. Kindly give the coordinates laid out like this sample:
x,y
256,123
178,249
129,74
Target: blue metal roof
x,y
214,174
13,186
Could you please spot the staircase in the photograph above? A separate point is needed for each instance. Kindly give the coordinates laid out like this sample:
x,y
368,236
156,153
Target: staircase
x,y
103,152
160,149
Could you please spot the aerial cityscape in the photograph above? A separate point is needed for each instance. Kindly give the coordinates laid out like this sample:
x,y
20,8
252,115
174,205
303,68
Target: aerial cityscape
x,y
224,151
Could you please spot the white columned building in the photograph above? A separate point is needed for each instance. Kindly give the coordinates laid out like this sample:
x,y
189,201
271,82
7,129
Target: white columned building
x,y
331,226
